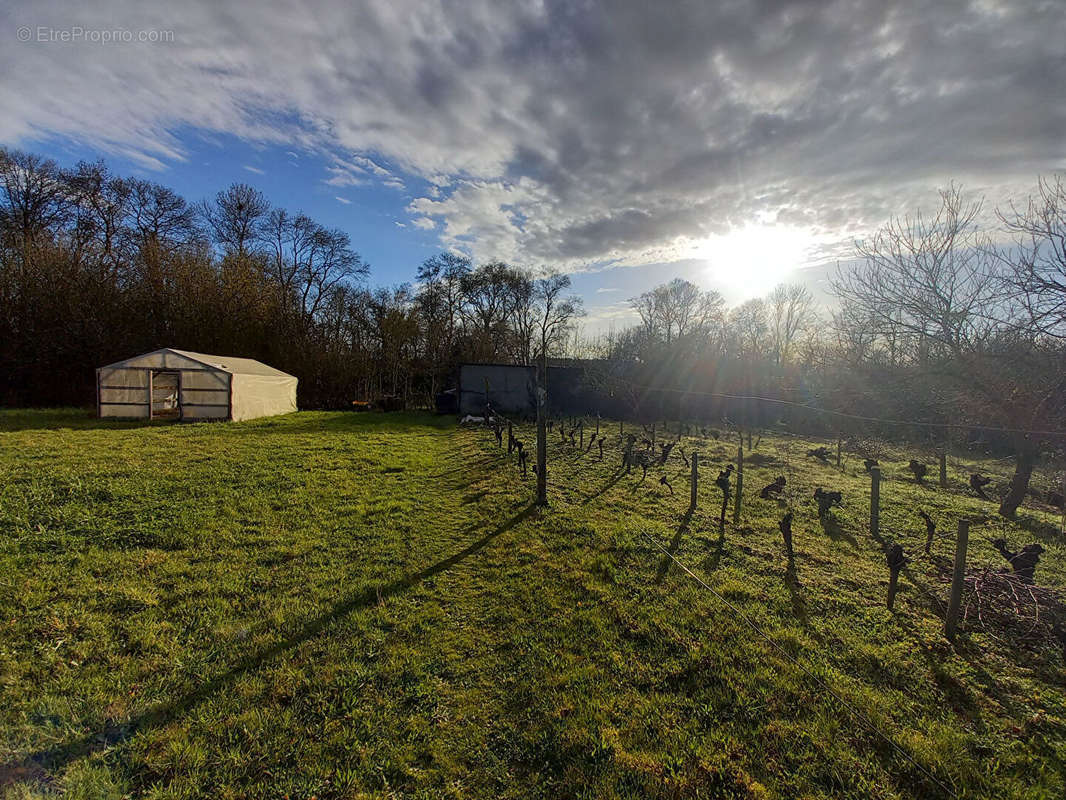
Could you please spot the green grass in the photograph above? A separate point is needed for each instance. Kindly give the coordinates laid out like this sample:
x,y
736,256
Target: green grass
x,y
341,605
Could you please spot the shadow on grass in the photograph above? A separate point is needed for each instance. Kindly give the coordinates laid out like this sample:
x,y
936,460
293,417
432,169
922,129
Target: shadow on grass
x,y
834,531
14,420
1042,528
711,562
799,603
682,529
59,756
606,487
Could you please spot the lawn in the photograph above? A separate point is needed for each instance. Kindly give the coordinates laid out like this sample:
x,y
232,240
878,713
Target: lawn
x,y
337,605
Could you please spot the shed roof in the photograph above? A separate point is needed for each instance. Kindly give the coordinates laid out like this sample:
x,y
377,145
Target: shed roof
x,y
230,364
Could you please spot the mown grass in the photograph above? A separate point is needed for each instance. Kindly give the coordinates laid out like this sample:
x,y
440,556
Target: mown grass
x,y
340,605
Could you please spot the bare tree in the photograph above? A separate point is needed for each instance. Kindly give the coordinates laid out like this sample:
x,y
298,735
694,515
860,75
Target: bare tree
x,y
33,196
234,218
676,309
161,217
932,277
791,310
1036,264
749,325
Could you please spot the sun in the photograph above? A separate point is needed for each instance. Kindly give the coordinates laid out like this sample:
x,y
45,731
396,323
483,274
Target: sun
x,y
750,261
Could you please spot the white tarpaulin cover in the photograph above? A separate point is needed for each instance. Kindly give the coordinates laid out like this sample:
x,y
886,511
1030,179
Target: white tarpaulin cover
x,y
189,386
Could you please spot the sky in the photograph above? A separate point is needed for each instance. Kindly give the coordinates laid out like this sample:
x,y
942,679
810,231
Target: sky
x,y
735,144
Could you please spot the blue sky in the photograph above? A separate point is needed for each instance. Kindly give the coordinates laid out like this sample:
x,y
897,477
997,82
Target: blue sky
x,y
623,142
373,213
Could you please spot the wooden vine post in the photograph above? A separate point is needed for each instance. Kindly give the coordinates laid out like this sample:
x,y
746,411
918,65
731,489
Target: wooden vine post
x,y
838,451
724,486
542,432
957,578
695,481
740,485
875,501
944,470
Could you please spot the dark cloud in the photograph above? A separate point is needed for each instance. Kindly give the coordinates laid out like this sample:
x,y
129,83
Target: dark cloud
x,y
582,132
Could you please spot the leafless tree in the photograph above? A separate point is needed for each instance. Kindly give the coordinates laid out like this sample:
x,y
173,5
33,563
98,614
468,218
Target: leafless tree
x,y
161,217
1036,264
791,309
234,218
678,308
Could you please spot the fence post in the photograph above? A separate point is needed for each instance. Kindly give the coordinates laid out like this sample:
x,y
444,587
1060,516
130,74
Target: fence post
x,y
740,485
944,470
875,501
957,578
838,451
542,433
725,499
510,437
695,481
581,430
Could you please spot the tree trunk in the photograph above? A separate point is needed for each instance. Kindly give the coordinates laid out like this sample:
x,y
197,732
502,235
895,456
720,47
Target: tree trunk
x,y
1019,484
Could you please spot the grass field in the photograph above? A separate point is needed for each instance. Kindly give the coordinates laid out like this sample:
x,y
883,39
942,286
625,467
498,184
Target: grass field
x,y
343,606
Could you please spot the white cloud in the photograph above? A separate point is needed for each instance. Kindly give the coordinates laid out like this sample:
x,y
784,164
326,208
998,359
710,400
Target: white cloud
x,y
344,200
256,170
576,135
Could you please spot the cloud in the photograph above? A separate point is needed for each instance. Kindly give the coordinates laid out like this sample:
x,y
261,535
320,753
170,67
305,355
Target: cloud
x,y
343,200
606,289
577,135
256,170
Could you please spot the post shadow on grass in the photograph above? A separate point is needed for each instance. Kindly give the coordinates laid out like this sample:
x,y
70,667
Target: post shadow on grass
x,y
792,583
60,755
675,543
711,562
960,696
606,487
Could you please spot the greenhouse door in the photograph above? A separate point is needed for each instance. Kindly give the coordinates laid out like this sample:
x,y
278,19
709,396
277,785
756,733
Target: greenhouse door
x,y
166,393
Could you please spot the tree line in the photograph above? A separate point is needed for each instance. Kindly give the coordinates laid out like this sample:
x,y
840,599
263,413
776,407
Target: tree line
x,y
96,267
942,319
